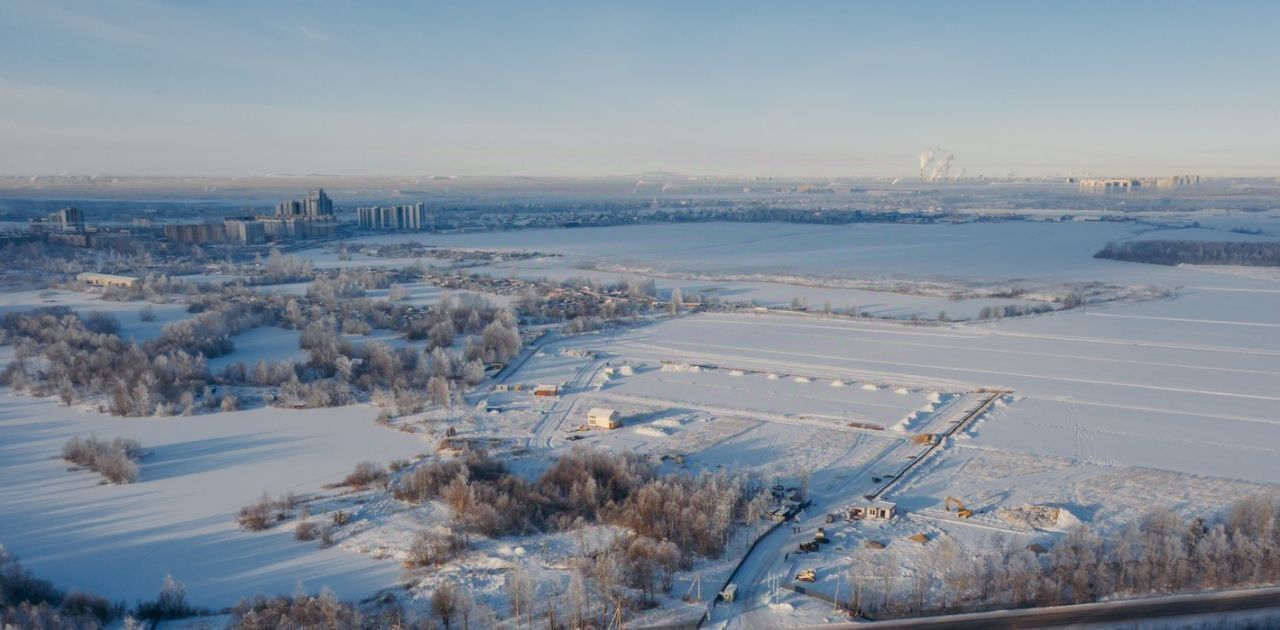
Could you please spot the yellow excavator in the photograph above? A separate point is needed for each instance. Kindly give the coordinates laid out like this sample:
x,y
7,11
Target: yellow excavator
x,y
961,510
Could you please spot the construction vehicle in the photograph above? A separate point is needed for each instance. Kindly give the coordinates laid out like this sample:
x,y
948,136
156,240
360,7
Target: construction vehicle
x,y
961,510
807,575
821,536
729,593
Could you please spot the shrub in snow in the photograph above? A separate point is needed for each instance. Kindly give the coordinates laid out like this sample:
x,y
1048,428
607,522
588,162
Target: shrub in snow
x,y
116,460
366,474
171,603
306,529
341,518
324,611
445,602
430,548
264,512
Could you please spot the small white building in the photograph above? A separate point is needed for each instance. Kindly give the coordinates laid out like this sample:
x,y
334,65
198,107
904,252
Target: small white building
x,y
604,418
872,510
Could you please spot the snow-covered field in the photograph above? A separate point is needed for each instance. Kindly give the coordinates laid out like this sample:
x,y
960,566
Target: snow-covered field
x,y
179,517
1198,398
1111,408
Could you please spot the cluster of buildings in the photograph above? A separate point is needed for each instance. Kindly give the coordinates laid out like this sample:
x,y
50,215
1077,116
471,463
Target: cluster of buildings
x,y
64,220
405,218
311,217
1110,185
316,205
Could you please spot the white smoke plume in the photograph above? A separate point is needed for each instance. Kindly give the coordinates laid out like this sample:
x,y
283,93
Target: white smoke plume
x,y
936,162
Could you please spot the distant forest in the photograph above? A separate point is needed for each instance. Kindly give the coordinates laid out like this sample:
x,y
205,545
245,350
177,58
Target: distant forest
x,y
1194,252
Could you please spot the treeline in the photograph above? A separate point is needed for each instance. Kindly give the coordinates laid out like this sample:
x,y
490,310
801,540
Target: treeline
x,y
666,521
584,486
1251,254
1158,554
31,603
1013,310
79,357
336,369
58,353
127,255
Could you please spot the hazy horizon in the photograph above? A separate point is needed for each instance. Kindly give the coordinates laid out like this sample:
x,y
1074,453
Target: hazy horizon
x,y
135,88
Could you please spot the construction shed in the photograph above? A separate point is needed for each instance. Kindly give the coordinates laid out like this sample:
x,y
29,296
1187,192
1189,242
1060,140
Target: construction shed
x,y
602,418
872,510
548,391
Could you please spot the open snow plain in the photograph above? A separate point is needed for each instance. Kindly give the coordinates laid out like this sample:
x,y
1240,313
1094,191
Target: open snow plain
x,y
1161,396
179,517
1188,396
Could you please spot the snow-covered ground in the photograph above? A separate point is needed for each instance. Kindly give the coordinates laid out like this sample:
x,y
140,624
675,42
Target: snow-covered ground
x,y
266,343
179,517
1112,408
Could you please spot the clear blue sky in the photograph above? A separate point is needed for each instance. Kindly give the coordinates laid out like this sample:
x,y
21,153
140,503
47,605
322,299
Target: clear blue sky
x,y
559,88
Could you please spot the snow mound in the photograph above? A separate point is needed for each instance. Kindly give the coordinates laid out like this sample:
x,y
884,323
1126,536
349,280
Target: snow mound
x,y
837,383
771,376
801,379
680,367
652,431
871,387
1039,517
903,424
902,391
673,423
933,398
626,370
735,372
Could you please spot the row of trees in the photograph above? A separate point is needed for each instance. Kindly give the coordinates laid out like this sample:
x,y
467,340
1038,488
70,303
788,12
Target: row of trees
x,y
1254,254
1012,310
1159,553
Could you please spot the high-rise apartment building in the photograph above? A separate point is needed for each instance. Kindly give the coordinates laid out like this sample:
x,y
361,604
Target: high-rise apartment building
x,y
410,217
316,205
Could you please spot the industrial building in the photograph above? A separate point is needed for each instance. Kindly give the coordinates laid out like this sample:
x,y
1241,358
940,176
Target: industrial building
x,y
106,280
1114,185
1109,185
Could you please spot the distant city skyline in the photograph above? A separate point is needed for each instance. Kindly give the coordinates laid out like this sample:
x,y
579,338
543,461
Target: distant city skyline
x,y
824,89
